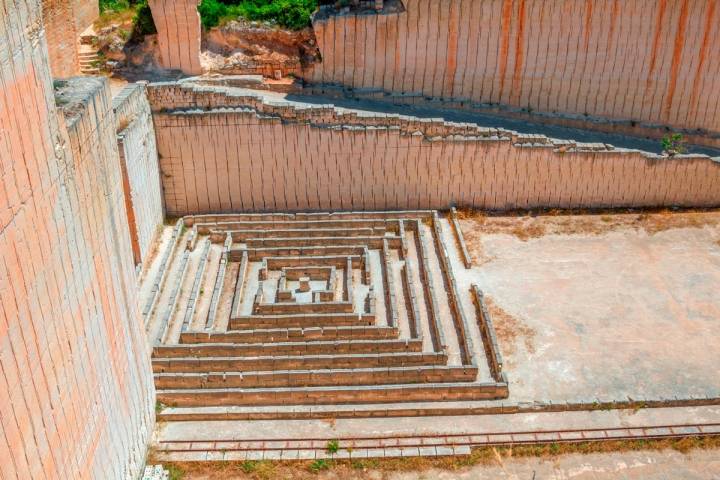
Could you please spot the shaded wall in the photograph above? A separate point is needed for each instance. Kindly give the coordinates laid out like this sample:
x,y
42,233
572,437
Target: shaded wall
x,y
139,165
178,33
229,153
653,61
76,394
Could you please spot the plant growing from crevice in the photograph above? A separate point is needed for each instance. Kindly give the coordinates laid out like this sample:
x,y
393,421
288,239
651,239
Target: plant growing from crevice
x,y
333,446
674,144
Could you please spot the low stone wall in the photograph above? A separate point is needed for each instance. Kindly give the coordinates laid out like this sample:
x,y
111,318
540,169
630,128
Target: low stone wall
x,y
223,151
139,163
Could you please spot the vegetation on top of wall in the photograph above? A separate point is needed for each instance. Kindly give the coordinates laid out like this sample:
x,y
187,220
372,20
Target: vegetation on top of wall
x,y
674,144
139,10
291,14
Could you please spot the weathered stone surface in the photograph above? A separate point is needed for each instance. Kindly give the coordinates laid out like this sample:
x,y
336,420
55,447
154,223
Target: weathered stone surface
x,y
549,56
226,150
76,396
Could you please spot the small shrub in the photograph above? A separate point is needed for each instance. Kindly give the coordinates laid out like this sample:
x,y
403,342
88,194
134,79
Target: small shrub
x,y
114,5
332,446
175,472
674,144
142,20
249,466
144,24
320,464
211,11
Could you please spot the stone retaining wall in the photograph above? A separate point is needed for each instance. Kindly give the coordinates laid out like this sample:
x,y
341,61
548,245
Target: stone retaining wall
x,y
222,151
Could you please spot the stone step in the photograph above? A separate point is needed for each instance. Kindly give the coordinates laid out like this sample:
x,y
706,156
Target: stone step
x,y
309,334
317,378
303,320
428,392
369,241
286,348
304,217
205,228
297,362
313,310
242,235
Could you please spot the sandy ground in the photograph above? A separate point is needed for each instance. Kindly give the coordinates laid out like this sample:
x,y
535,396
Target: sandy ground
x,y
602,306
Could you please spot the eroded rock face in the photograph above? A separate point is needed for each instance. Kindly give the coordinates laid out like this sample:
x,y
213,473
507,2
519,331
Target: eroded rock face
x,y
253,47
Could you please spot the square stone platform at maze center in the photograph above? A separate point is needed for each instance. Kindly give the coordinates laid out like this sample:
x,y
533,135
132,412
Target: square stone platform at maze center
x,y
605,307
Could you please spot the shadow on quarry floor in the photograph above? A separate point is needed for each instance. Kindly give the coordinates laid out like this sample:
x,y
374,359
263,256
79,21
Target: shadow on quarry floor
x,y
497,121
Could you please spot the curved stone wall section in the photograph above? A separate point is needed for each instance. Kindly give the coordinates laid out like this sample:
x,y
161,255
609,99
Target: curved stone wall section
x,y
646,61
76,393
178,33
233,153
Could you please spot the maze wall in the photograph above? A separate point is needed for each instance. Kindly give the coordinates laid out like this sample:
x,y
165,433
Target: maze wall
x,y
650,61
76,396
312,309
139,164
226,151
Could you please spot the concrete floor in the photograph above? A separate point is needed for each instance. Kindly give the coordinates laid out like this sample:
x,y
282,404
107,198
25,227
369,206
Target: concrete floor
x,y
662,465
616,315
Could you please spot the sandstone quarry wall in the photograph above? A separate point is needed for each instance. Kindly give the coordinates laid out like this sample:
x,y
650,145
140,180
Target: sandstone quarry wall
x,y
64,21
223,152
178,34
86,12
139,164
76,393
652,62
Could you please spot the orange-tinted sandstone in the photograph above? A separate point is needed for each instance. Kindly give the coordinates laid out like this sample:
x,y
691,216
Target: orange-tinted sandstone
x,y
76,394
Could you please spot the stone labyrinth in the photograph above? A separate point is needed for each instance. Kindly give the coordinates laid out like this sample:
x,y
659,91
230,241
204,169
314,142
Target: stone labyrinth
x,y
322,308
